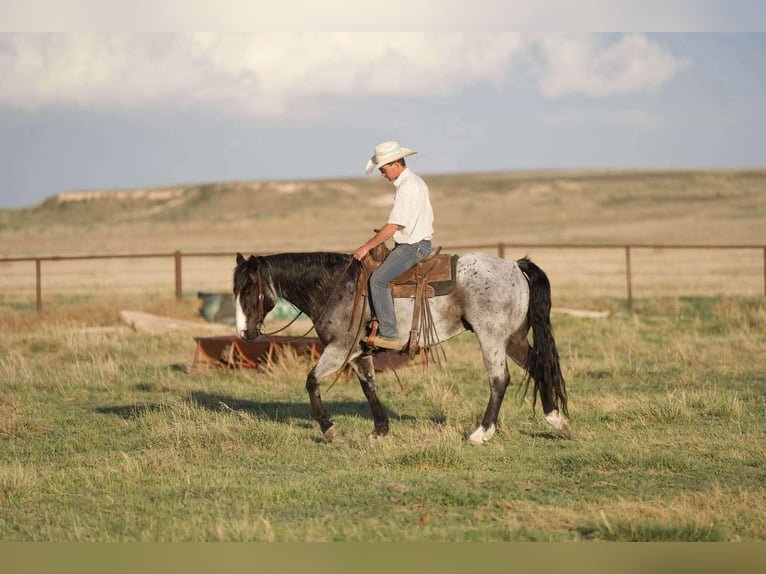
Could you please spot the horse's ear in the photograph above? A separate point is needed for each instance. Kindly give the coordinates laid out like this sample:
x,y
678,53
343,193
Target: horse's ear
x,y
240,259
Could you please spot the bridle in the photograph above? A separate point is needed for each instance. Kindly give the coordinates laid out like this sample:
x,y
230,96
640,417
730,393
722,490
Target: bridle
x,y
261,316
261,311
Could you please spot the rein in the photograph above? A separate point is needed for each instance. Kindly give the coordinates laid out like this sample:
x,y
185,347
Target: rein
x,y
262,315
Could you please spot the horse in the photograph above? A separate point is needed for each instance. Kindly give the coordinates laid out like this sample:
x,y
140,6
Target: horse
x,y
499,300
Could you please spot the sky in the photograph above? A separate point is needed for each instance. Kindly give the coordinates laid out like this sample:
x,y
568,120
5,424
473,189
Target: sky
x,y
121,110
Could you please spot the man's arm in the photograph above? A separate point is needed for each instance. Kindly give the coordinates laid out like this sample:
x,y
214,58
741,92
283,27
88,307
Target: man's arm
x,y
386,233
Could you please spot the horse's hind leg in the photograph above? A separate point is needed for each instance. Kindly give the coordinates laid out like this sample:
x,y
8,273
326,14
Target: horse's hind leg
x,y
518,350
365,370
497,369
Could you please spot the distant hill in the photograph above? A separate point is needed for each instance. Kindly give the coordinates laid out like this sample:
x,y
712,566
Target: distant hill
x,y
583,207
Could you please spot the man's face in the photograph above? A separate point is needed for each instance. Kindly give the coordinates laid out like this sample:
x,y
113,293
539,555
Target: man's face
x,y
391,170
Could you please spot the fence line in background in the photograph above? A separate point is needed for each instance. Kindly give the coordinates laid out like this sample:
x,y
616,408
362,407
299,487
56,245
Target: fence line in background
x,y
177,258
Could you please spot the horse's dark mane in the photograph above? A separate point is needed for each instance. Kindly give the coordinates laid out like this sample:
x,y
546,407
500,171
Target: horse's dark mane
x,y
305,279
323,260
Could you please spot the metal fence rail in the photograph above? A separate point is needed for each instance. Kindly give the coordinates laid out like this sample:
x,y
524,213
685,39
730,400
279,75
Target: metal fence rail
x,y
176,259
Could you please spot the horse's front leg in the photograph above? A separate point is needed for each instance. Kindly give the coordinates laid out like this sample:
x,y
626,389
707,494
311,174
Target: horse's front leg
x,y
331,361
317,408
365,369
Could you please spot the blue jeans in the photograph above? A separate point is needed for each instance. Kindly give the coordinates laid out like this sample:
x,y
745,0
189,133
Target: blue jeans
x,y
398,261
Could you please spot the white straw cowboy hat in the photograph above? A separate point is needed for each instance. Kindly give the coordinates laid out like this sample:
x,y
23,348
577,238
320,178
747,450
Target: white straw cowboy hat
x,y
386,153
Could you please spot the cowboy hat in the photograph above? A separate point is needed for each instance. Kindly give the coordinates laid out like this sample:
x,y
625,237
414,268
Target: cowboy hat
x,y
387,152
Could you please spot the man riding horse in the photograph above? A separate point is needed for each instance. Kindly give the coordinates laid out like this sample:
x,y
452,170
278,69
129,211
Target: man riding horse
x,y
410,223
499,300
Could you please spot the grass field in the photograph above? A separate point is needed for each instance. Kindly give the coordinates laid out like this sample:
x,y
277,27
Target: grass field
x,y
108,438
106,435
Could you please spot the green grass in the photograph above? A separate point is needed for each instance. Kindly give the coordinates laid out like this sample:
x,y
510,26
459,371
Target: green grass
x,y
107,438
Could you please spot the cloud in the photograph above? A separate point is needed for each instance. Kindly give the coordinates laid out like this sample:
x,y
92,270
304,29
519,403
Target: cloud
x,y
259,74
88,70
271,74
289,67
581,64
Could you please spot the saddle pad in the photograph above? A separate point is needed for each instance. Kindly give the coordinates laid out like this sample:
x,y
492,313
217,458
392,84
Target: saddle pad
x,y
439,272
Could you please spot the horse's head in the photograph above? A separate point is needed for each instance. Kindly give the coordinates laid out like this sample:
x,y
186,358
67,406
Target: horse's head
x,y
252,298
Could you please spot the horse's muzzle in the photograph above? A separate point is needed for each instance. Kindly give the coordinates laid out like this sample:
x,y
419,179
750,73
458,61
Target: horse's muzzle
x,y
249,334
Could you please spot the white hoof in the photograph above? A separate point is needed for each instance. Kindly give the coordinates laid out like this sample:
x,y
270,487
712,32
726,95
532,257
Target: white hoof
x,y
479,436
559,422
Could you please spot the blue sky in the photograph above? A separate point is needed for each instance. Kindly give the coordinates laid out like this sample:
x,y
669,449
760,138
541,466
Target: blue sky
x,y
123,110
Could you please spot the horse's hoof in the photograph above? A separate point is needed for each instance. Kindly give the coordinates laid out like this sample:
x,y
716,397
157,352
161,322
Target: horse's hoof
x,y
560,423
329,434
480,436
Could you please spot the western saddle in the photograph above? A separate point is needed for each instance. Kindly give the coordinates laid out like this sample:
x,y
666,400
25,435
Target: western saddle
x,y
434,276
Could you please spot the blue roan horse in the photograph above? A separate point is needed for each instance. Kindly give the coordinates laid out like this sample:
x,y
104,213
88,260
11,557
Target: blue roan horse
x,y
499,300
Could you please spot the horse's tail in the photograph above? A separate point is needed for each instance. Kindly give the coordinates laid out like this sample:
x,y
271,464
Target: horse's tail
x,y
542,364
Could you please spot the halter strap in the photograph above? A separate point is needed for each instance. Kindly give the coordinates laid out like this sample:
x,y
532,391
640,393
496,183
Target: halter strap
x,y
262,316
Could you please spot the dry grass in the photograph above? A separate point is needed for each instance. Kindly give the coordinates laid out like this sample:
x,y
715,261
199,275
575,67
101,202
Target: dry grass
x,y
573,208
104,437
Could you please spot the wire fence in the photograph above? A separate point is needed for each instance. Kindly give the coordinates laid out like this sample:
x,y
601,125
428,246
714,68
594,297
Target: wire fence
x,y
620,271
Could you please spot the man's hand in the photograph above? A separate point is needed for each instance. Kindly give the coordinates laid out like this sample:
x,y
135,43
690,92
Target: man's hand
x,y
383,235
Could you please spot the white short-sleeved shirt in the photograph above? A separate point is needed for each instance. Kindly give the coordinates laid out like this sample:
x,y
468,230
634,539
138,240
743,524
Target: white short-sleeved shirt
x,y
412,209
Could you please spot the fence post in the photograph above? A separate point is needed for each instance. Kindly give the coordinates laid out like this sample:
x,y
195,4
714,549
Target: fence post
x,y
179,290
629,275
38,285
501,250
764,270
